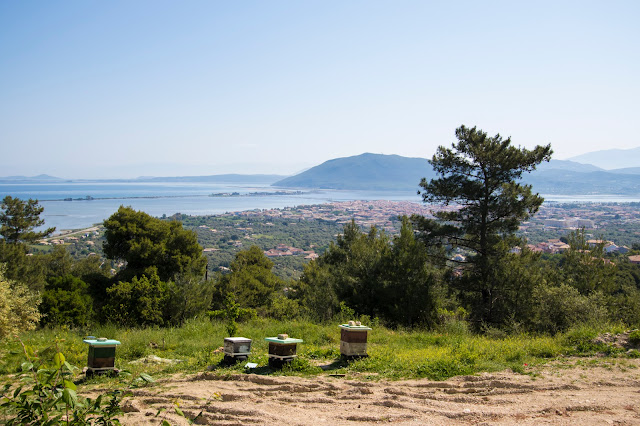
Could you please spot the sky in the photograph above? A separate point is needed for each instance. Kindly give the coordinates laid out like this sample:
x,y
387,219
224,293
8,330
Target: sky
x,y
106,89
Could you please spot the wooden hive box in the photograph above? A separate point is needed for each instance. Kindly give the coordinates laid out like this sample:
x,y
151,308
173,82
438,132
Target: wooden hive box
x,y
237,346
353,340
102,354
283,349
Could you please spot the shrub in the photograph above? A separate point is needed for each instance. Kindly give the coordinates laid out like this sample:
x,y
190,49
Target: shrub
x,y
18,307
48,396
66,301
139,302
558,308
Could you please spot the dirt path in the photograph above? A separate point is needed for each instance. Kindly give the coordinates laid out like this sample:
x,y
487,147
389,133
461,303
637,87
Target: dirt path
x,y
577,391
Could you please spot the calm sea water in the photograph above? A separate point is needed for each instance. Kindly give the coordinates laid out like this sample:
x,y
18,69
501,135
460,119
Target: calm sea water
x,y
168,198
191,198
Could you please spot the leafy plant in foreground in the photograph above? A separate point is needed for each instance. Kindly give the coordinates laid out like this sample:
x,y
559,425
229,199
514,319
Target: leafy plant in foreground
x,y
47,396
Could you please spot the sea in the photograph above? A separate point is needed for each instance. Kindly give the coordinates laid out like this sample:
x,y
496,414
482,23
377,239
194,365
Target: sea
x,y
80,204
89,203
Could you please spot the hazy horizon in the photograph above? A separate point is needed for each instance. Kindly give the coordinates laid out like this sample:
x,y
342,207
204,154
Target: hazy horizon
x,y
125,89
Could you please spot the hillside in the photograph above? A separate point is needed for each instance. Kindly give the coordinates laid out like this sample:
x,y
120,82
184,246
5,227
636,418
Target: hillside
x,y
393,172
30,179
226,178
363,172
611,158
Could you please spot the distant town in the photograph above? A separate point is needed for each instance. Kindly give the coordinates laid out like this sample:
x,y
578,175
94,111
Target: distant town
x,y
615,226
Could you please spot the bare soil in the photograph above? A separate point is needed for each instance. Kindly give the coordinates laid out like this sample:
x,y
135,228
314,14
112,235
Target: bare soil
x,y
568,391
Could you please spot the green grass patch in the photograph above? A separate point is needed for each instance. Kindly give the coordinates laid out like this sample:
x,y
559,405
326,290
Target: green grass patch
x,y
393,354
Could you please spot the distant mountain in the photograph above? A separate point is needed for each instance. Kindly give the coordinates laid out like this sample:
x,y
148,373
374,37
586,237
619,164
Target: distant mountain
x,y
568,165
569,182
626,171
611,158
227,178
363,172
393,172
39,178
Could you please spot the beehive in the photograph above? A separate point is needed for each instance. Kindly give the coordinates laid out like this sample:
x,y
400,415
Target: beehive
x,y
237,348
353,340
102,354
282,349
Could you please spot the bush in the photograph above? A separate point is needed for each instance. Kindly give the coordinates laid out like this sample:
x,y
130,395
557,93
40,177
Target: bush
x,y
581,338
18,307
453,322
66,301
136,303
558,308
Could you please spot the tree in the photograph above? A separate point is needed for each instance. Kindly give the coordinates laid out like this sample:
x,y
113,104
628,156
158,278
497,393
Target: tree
x,y
358,263
66,300
251,281
412,281
18,220
188,296
139,302
145,242
479,176
374,275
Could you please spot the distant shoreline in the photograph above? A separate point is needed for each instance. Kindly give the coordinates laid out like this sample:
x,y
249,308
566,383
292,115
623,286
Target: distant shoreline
x,y
151,197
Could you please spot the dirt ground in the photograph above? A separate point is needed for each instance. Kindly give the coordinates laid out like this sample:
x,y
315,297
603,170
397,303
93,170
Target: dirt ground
x,y
570,391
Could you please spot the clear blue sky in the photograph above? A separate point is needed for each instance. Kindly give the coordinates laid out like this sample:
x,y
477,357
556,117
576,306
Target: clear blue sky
x,y
129,88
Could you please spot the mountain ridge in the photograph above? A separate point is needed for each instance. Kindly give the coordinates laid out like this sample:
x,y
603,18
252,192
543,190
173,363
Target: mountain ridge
x,y
392,172
362,172
611,159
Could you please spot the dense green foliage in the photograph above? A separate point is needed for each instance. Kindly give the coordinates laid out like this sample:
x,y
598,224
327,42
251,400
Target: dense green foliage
x,y
66,300
18,307
136,302
145,242
378,276
251,279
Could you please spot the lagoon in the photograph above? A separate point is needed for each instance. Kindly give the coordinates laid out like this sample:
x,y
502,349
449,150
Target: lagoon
x,y
193,198
168,198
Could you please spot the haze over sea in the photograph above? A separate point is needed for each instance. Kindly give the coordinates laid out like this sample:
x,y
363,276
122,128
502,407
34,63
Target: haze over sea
x,y
193,198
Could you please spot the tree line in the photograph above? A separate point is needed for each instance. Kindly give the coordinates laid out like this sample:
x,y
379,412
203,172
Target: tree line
x,y
465,264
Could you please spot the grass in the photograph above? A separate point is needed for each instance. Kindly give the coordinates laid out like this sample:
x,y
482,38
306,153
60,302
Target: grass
x,y
393,354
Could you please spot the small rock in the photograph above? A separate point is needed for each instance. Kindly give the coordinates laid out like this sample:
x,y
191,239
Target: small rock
x,y
130,407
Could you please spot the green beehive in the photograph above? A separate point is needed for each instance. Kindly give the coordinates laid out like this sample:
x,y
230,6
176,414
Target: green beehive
x,y
282,349
102,354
